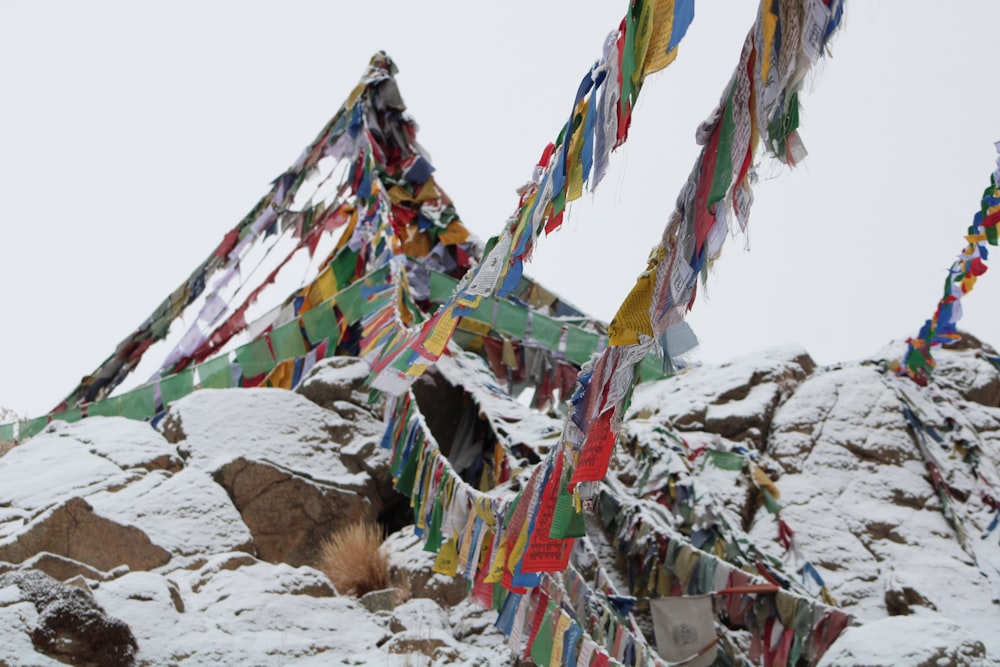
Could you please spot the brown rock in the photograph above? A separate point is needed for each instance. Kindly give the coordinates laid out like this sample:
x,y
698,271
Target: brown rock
x,y
288,514
383,600
73,530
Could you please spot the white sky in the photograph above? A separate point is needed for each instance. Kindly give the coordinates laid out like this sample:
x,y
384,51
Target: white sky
x,y
134,135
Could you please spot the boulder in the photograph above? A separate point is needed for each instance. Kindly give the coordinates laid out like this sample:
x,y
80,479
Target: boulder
x,y
73,530
127,443
186,513
62,568
236,609
67,466
212,427
70,626
290,515
384,600
420,626
339,384
855,490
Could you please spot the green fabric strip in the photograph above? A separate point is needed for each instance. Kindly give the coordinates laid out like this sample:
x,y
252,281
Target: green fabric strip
x,y
6,432
349,302
321,323
255,358
32,427
580,345
441,287
546,331
723,175
177,386
287,341
541,650
511,318
111,407
345,266
139,403
216,373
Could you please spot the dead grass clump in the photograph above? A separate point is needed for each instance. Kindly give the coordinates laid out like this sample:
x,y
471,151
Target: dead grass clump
x,y
354,560
6,446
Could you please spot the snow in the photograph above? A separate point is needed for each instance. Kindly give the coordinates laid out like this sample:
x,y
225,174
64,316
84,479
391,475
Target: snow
x,y
269,425
64,461
924,639
186,513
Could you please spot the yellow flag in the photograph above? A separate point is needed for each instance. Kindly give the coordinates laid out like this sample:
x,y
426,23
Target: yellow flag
x,y
322,288
454,233
562,625
632,317
643,33
447,558
499,563
763,481
520,545
481,504
441,334
574,181
474,326
348,232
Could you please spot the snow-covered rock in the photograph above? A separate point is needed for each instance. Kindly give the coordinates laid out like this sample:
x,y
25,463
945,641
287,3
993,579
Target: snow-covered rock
x,y
925,640
200,536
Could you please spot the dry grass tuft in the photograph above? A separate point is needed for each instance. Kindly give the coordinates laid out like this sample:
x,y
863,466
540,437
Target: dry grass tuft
x,y
354,560
6,446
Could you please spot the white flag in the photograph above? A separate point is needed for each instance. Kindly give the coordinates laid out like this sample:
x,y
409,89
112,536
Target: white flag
x,y
684,626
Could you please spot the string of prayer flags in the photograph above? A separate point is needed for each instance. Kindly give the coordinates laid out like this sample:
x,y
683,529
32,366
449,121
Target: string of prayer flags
x,y
759,105
783,625
491,540
388,192
645,42
941,328
488,539
948,447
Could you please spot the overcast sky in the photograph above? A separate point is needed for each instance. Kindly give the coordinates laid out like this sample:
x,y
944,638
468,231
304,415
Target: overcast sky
x,y
133,135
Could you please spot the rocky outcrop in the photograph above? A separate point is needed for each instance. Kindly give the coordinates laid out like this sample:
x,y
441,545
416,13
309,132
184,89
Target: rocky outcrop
x,y
200,535
883,487
164,526
735,400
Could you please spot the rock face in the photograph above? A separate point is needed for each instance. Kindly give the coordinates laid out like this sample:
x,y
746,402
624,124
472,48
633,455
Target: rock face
x,y
888,490
410,569
200,536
